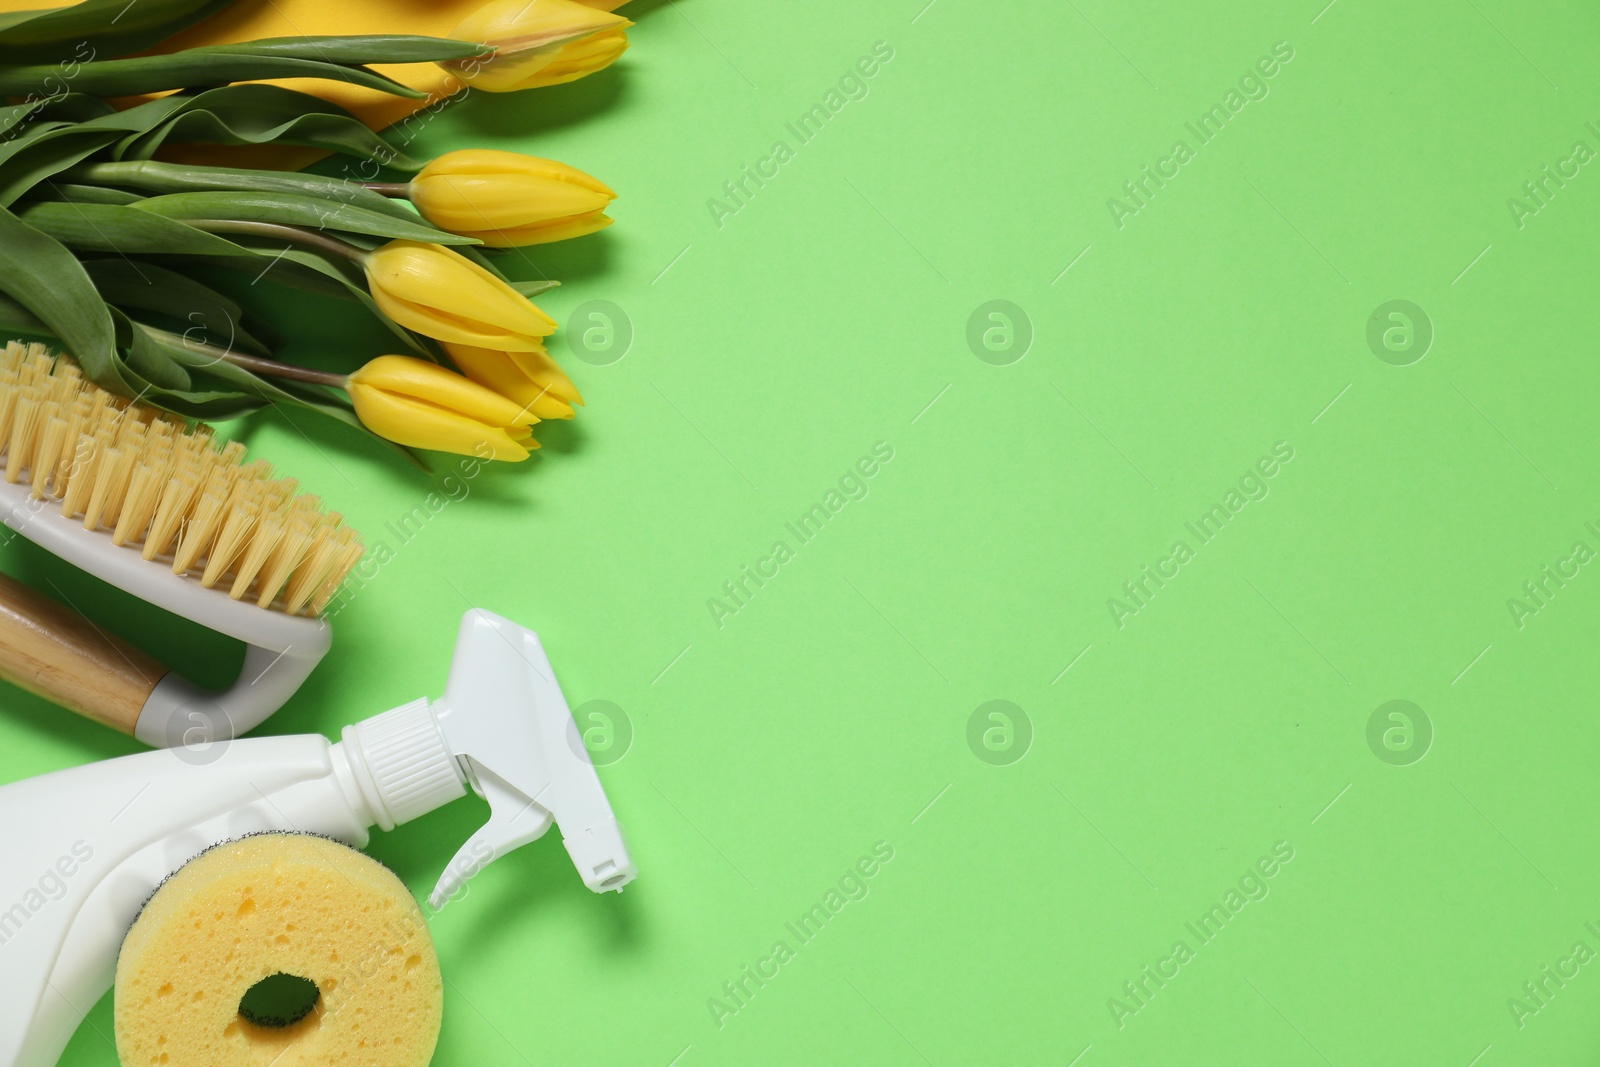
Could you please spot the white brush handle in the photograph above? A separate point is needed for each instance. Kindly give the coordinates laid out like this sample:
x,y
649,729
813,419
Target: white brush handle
x,y
180,713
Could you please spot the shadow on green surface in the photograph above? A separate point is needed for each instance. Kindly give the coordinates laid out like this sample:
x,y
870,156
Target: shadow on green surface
x,y
579,259
528,114
530,885
561,437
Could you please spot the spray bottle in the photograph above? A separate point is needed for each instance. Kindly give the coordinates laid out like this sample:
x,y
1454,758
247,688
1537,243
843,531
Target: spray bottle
x,y
84,848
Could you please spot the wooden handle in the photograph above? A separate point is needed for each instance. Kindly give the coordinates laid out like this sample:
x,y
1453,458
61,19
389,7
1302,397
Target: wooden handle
x,y
57,653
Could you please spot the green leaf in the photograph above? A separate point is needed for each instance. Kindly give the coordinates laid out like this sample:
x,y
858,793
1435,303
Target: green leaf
x,y
533,289
186,302
59,106
96,28
159,178
313,261
239,114
150,351
310,270
277,267
43,152
233,115
132,232
207,405
263,114
350,49
230,374
39,273
365,242
146,357
83,194
14,115
331,58
127,231
46,146
13,316
294,209
142,117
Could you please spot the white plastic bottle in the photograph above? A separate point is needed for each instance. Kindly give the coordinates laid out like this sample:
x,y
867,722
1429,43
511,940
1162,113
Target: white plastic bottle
x,y
85,848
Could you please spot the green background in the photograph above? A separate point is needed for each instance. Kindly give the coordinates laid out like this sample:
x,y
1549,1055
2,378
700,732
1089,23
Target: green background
x,y
1160,758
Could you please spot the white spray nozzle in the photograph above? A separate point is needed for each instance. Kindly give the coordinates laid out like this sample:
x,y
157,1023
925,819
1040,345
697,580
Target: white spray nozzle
x,y
504,727
505,718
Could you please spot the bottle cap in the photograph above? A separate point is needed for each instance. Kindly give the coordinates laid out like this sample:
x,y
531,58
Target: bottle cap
x,y
402,765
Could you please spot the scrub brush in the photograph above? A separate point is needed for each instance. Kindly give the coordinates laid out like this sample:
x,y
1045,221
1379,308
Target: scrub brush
x,y
155,505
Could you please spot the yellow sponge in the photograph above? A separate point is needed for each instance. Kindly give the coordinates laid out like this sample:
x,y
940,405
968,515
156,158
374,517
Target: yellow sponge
x,y
258,910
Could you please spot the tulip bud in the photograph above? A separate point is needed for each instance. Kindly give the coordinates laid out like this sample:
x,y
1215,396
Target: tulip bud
x,y
538,42
444,295
505,198
530,379
423,405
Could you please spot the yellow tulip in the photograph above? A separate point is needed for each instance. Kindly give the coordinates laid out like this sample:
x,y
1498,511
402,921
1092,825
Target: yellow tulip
x,y
580,59
444,295
530,379
505,198
538,42
423,405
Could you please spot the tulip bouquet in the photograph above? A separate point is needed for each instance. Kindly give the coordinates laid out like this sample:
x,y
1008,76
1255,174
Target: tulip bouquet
x,y
112,250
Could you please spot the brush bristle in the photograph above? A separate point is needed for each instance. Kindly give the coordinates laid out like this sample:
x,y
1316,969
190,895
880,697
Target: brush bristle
x,y
166,488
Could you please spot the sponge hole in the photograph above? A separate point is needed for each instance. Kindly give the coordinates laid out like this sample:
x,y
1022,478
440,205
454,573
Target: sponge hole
x,y
279,1000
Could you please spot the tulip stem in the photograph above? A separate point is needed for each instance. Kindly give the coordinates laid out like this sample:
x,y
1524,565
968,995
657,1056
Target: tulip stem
x,y
258,365
285,370
287,233
395,189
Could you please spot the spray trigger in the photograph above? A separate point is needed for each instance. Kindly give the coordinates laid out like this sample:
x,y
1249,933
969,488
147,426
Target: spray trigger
x,y
507,723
